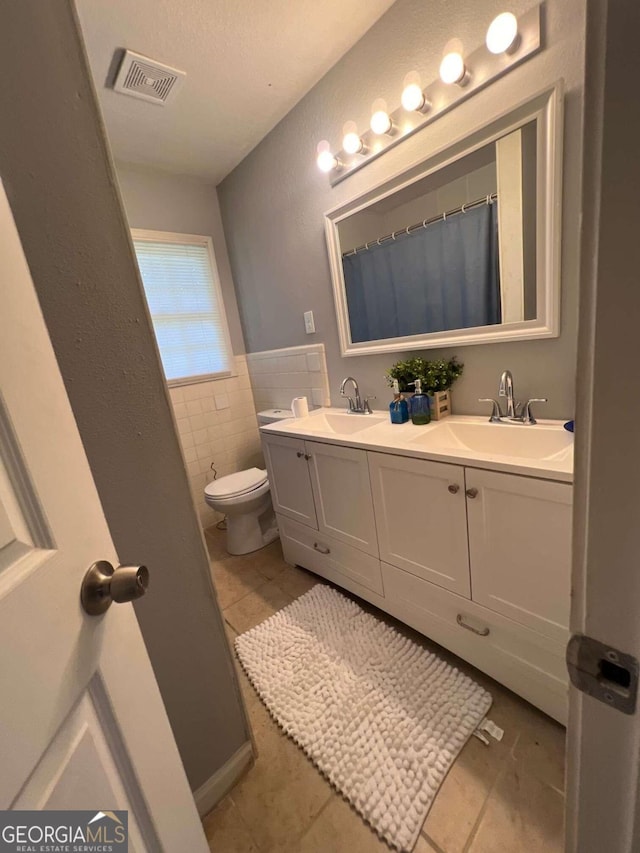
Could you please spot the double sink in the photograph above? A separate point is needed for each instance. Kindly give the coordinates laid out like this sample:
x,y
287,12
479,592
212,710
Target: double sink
x,y
545,443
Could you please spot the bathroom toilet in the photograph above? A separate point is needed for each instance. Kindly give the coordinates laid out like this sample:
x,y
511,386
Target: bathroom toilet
x,y
245,500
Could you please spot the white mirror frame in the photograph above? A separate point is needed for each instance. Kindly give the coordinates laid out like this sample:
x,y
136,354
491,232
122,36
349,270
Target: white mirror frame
x,y
546,109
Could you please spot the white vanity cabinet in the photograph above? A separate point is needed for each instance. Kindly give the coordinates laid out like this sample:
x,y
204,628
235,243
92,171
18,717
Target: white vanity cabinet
x,y
322,496
477,560
289,478
342,494
421,518
520,547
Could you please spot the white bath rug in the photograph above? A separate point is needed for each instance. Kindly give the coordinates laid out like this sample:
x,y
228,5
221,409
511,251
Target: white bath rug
x,y
380,716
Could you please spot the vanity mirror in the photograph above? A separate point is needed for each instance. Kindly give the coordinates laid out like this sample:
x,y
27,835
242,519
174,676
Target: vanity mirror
x,y
462,248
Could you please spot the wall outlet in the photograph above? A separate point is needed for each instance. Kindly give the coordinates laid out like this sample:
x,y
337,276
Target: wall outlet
x,y
309,324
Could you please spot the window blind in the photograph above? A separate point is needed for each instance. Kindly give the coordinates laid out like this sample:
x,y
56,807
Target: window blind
x,y
185,304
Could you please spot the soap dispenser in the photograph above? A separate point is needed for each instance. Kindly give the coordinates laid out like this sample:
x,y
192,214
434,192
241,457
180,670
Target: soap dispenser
x,y
398,407
420,405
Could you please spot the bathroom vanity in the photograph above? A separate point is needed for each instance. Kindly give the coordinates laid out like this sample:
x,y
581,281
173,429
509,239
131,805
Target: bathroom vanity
x,y
461,529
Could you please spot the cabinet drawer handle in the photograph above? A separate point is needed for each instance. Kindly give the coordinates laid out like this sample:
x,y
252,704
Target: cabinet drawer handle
x,y
321,549
299,454
307,456
483,633
454,488
472,493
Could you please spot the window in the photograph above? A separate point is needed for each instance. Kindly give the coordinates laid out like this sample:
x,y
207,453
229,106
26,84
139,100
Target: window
x,y
181,284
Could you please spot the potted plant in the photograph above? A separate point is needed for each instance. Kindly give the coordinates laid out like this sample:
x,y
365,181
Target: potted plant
x,y
437,377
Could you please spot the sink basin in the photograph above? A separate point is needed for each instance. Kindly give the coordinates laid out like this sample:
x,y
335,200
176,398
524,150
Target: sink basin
x,y
337,423
510,440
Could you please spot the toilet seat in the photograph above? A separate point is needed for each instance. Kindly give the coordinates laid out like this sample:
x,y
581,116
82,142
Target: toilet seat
x,y
236,485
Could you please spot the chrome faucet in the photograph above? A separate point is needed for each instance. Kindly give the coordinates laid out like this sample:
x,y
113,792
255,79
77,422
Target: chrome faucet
x,y
356,406
506,390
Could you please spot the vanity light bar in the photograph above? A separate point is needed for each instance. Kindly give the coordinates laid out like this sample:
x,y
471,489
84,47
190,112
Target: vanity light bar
x,y
479,69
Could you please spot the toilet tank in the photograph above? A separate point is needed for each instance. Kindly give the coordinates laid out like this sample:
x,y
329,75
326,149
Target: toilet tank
x,y
271,416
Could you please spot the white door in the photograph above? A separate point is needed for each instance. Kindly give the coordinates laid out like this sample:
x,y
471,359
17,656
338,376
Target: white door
x,y
421,518
342,492
603,785
520,548
289,479
82,724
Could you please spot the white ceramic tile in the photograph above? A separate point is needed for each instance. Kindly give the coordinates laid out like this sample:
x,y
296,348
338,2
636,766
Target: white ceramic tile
x,y
196,422
203,451
193,407
184,426
191,392
317,396
205,465
314,362
180,410
190,454
176,395
186,439
222,401
199,436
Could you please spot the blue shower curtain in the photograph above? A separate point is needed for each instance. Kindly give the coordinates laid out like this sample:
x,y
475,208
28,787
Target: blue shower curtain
x,y
444,276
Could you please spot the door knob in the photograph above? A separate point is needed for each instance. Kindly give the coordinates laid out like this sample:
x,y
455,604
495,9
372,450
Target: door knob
x,y
454,488
472,493
103,585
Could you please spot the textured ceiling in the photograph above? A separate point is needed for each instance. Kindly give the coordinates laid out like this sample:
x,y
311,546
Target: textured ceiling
x,y
248,62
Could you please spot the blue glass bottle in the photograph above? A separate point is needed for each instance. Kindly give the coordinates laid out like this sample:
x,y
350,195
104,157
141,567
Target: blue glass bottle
x,y
398,408
420,406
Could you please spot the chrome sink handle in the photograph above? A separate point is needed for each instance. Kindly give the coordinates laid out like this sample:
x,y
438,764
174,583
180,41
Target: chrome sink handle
x,y
527,415
496,413
367,407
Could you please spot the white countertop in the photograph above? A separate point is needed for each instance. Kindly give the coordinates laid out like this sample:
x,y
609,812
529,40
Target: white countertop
x,y
546,447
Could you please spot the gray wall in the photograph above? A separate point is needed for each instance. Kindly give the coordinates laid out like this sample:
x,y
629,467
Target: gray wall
x,y
61,185
158,201
273,202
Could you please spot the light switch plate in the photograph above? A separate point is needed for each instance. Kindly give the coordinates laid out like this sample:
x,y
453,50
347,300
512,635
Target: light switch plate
x,y
309,324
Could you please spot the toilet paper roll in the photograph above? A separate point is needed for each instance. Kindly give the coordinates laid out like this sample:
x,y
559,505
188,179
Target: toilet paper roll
x,y
300,407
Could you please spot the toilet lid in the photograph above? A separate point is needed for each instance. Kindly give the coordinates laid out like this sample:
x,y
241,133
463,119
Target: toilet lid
x,y
237,484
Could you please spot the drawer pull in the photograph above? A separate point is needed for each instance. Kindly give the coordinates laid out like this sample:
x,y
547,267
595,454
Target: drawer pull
x,y
307,456
483,633
322,550
454,488
299,454
472,493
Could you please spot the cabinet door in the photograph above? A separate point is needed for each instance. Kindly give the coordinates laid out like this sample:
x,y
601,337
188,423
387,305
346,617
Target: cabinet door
x,y
289,478
520,547
421,518
342,492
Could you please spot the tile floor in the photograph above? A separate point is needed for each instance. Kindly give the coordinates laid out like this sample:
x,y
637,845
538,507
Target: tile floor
x,y
507,797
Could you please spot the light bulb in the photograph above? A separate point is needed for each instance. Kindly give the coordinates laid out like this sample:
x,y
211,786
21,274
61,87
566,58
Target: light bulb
x,y
452,68
502,33
380,121
351,141
326,161
413,97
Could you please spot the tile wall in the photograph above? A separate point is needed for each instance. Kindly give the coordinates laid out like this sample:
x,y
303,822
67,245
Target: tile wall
x,y
217,425
279,375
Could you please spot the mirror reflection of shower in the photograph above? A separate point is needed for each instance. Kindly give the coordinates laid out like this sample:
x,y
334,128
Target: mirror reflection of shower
x,y
453,250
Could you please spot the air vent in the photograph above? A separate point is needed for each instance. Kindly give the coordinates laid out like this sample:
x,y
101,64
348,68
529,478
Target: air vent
x,y
147,79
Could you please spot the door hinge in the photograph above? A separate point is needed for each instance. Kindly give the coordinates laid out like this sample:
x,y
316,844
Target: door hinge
x,y
607,674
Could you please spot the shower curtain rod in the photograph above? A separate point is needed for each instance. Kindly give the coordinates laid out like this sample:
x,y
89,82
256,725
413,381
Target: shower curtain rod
x,y
488,199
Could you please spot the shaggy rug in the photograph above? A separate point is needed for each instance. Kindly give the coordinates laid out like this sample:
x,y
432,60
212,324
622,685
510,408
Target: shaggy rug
x,y
381,717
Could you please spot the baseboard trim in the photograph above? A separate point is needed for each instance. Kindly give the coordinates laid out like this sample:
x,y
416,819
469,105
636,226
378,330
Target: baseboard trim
x,y
209,794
